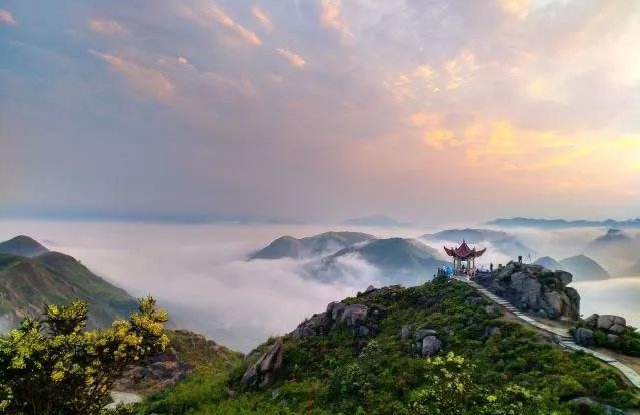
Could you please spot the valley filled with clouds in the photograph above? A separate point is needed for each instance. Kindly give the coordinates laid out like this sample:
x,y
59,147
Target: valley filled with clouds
x,y
202,275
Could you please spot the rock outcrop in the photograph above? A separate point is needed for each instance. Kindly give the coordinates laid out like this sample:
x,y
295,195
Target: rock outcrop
x,y
155,373
584,337
612,326
262,373
535,289
362,320
424,342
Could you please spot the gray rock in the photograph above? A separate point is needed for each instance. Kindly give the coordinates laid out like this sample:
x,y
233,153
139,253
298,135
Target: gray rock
x,y
431,345
583,337
584,405
556,303
421,334
369,289
354,313
529,289
405,332
335,310
592,321
617,329
612,324
489,309
565,277
262,373
250,377
532,288
314,326
612,338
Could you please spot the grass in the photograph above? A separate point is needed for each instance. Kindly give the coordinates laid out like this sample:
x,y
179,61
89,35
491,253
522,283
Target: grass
x,y
506,367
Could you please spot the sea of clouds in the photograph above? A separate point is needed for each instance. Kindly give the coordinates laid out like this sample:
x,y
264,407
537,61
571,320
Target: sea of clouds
x,y
199,272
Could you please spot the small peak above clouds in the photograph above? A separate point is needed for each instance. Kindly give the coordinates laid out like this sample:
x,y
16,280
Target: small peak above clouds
x,y
312,246
22,246
584,268
395,260
549,263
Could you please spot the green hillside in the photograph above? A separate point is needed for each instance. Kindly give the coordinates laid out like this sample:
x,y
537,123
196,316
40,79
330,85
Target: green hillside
x,y
27,283
361,357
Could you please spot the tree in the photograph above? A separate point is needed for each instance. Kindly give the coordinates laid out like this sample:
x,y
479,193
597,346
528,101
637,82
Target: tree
x,y
53,366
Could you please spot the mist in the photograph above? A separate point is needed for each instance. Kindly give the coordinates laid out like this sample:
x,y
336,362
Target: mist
x,y
199,272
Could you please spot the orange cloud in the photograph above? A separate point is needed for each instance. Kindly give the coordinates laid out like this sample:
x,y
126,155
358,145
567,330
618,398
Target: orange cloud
x,y
292,58
225,20
460,69
145,81
518,8
331,17
7,18
262,18
106,27
214,13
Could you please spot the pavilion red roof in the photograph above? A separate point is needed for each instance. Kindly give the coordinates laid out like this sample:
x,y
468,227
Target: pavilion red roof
x,y
464,252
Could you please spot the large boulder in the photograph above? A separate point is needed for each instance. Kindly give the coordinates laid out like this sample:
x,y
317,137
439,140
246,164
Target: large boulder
x,y
592,321
431,345
156,372
354,313
583,337
535,289
262,373
317,325
612,324
358,317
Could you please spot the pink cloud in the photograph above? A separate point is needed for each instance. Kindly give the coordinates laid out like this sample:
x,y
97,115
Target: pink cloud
x,y
262,18
293,58
7,18
106,27
145,81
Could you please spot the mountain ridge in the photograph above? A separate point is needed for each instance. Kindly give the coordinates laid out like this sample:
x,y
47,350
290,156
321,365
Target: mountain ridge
x,y
29,282
563,223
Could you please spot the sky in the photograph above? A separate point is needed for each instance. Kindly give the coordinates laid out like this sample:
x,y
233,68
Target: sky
x,y
320,110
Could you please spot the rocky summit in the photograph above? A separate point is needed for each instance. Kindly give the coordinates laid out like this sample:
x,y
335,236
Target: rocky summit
x,y
535,290
437,348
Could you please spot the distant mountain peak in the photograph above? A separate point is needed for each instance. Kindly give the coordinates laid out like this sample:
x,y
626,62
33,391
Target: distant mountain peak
x,y
311,246
22,245
584,268
549,263
564,223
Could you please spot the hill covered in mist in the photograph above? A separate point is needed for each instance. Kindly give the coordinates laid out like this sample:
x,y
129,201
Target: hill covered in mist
x,y
32,276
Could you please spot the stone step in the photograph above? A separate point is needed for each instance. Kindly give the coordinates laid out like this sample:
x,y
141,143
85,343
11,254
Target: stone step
x,y
565,339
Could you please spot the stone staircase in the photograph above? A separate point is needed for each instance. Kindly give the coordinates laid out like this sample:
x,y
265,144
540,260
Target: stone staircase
x,y
564,338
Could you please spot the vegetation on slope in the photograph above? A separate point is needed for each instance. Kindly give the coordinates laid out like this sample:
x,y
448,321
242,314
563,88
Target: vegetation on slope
x,y
205,355
488,365
27,283
53,366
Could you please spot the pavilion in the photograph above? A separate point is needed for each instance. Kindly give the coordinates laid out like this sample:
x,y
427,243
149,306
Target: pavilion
x,y
464,259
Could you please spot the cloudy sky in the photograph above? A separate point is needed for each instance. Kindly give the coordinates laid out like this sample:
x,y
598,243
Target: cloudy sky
x,y
320,110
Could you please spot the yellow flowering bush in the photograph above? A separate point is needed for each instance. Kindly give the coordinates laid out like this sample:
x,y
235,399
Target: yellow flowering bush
x,y
52,366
